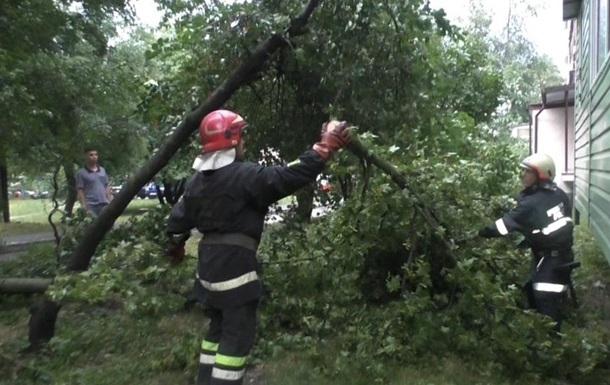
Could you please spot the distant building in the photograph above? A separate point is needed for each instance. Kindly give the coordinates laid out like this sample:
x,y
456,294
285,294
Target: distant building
x,y
551,131
521,131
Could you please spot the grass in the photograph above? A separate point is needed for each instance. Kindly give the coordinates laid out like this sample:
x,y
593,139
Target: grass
x,y
292,370
31,215
102,345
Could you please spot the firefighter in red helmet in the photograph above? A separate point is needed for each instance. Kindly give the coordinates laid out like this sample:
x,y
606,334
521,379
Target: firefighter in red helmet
x,y
543,215
226,199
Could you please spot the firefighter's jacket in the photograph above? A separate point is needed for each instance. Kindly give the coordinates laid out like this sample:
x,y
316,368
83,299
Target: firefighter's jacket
x,y
228,206
543,216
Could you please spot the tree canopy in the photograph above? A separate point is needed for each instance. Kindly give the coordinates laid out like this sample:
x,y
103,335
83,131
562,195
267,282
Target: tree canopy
x,y
394,268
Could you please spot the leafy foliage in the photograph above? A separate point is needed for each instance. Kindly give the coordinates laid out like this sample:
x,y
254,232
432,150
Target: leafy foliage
x,y
128,268
373,278
371,281
64,86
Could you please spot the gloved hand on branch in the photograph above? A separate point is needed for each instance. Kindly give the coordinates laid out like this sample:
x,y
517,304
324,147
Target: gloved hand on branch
x,y
335,135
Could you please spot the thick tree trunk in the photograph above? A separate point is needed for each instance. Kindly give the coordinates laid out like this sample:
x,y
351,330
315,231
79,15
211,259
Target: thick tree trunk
x,y
23,285
312,100
71,183
42,322
304,204
4,194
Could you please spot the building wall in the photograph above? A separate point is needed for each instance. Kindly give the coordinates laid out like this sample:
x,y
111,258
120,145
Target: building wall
x,y
521,131
592,127
551,140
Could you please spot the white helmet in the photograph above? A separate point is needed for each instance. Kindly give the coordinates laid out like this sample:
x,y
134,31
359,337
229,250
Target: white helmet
x,y
542,164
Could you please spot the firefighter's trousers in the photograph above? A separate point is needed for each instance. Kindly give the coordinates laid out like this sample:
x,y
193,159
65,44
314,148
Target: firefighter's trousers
x,y
227,344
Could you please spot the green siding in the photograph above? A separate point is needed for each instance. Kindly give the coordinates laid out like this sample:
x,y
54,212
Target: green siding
x,y
582,116
592,137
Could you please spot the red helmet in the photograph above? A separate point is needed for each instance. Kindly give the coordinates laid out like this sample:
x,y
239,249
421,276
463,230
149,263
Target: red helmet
x,y
220,129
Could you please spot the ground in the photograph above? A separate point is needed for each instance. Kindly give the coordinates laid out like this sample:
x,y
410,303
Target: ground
x,y
254,375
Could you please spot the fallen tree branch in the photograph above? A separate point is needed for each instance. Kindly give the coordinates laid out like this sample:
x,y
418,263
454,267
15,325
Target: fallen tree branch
x,y
24,285
357,148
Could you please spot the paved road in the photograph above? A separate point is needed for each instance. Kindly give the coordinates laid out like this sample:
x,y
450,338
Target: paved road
x,y
7,240
11,246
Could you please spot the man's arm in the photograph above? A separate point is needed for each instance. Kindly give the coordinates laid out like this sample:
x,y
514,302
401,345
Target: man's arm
x,y
179,221
109,195
80,193
510,222
177,232
270,184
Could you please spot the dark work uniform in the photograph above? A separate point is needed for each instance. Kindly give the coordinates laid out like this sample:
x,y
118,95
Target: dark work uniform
x,y
228,206
543,216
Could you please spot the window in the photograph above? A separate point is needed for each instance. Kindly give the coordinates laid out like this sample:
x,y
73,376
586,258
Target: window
x,y
600,39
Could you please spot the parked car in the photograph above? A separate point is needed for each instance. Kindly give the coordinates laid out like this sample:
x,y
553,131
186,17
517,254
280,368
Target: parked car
x,y
38,194
150,191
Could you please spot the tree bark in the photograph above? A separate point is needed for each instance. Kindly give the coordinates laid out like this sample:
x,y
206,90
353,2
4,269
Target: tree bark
x,y
4,194
304,208
24,285
71,183
42,322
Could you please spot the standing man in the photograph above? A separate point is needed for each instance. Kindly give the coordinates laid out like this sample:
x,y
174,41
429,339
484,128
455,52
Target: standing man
x,y
226,200
543,216
92,188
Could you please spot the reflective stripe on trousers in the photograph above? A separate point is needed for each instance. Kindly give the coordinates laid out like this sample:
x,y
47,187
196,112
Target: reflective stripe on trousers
x,y
227,375
234,329
218,368
207,356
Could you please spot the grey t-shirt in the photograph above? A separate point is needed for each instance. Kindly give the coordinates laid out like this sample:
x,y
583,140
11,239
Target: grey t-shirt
x,y
93,184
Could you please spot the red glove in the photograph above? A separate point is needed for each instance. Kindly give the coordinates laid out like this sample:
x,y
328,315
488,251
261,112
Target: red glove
x,y
175,253
335,135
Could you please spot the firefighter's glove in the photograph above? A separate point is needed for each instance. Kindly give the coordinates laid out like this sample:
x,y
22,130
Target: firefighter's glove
x,y
175,253
174,250
335,135
486,232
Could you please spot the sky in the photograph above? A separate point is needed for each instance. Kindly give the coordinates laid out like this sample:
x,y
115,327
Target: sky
x,y
547,31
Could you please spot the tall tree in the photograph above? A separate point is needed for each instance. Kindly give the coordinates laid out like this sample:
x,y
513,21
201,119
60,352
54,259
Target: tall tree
x,y
337,72
525,71
36,39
